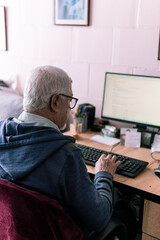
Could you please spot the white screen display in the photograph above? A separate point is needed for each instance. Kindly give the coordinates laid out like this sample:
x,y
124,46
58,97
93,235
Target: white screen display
x,y
132,98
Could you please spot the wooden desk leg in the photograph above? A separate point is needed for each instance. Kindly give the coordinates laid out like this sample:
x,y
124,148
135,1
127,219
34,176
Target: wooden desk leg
x,y
151,221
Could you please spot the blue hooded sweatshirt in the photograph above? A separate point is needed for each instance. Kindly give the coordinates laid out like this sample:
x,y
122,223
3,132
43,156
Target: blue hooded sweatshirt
x,y
43,159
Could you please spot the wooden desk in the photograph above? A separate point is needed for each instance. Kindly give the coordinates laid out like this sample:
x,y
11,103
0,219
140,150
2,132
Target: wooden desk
x,y
146,184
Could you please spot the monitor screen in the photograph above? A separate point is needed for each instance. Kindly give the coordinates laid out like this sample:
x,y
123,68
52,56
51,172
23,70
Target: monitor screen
x,y
131,98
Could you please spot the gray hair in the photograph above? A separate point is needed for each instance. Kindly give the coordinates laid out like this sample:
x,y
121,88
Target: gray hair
x,y
42,83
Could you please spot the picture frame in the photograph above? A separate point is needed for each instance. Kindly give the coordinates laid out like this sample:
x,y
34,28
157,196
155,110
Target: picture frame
x,y
146,139
71,12
159,49
3,43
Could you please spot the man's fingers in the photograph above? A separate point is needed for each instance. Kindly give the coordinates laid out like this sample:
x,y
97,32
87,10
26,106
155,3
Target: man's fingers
x,y
118,163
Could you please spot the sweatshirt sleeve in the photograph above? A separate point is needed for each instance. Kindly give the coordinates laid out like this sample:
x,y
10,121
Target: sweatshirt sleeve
x,y
90,202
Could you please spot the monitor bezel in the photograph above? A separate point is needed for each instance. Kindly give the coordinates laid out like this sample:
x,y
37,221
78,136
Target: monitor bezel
x,y
138,124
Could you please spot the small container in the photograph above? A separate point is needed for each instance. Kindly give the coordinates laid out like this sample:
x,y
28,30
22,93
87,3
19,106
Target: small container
x,y
81,124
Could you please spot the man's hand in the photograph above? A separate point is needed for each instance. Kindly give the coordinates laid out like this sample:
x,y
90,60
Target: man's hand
x,y
107,163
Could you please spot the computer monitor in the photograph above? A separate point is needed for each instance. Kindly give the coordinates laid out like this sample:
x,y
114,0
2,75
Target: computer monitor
x,y
131,98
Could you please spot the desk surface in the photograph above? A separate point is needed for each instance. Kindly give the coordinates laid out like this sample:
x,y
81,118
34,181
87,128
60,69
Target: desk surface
x,y
146,183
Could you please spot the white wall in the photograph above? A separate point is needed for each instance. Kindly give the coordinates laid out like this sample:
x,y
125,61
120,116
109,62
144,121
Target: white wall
x,y
122,37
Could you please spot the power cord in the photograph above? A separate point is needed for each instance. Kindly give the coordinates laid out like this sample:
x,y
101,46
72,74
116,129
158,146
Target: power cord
x,y
115,145
154,157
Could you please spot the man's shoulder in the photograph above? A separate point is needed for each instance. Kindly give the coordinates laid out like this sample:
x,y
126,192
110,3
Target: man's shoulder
x,y
71,146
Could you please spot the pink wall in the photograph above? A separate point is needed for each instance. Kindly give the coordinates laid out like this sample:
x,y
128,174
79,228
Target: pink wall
x,y
122,37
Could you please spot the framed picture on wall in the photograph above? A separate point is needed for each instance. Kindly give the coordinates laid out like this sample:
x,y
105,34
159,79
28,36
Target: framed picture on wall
x,y
71,12
3,44
159,49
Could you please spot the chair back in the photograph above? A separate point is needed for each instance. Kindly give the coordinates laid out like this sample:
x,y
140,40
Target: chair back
x,y
29,215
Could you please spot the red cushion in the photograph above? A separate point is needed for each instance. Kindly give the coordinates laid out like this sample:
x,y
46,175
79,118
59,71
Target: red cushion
x,y
28,215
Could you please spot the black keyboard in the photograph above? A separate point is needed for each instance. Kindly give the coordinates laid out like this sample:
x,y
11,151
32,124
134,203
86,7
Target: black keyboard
x,y
129,167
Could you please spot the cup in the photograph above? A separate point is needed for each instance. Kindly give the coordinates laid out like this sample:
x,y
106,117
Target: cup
x,y
81,124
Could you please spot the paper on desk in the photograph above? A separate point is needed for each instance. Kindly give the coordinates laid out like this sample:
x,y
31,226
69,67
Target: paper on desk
x,y
124,130
105,140
156,144
133,139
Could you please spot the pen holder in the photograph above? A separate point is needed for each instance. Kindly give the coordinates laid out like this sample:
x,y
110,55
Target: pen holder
x,y
81,124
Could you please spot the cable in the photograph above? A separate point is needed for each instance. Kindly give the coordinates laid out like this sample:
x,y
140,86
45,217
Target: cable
x,y
116,144
154,158
153,155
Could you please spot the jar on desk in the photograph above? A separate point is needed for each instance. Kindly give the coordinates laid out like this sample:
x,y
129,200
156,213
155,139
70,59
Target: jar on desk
x,y
81,123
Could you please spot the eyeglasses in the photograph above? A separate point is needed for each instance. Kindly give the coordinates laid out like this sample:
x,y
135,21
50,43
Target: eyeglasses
x,y
73,100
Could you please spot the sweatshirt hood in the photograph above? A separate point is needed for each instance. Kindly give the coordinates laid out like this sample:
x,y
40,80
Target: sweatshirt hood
x,y
24,147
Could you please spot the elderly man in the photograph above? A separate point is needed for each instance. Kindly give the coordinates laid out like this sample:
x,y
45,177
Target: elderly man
x,y
39,157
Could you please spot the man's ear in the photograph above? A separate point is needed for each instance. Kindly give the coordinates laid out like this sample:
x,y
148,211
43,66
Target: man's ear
x,y
54,103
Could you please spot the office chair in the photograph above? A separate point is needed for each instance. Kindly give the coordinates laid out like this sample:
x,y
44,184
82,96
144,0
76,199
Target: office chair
x,y
28,215
114,230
